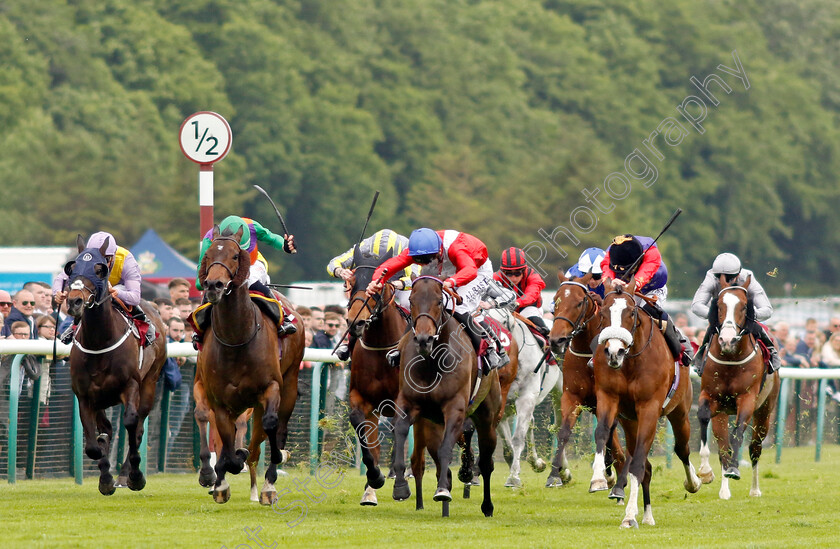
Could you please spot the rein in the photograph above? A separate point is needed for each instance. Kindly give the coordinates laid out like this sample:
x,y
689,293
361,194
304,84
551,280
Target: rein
x,y
257,328
437,323
636,324
232,274
580,323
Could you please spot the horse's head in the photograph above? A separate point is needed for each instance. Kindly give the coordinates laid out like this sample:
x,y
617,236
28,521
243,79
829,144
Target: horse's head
x,y
574,306
88,275
618,314
734,310
428,311
362,308
225,266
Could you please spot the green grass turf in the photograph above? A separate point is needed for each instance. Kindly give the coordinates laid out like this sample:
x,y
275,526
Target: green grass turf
x,y
799,508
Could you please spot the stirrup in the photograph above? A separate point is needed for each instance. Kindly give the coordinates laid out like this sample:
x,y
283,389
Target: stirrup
x,y
393,357
151,334
286,328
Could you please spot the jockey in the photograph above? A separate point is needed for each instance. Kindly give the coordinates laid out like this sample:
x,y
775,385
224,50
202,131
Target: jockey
x,y
377,245
637,257
464,265
729,266
589,261
515,274
123,283
258,275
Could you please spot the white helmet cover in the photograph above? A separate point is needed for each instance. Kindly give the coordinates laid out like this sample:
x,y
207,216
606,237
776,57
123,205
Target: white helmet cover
x,y
726,263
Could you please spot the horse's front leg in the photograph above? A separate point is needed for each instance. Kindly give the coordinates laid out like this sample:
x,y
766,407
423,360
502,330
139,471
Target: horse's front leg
x,y
270,400
227,462
607,412
525,405
704,415
648,418
570,407
745,406
96,447
134,427
203,415
367,431
453,414
254,451
403,420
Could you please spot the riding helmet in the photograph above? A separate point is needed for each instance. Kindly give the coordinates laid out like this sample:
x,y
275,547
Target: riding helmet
x,y
424,241
727,264
513,259
233,224
591,259
97,239
624,251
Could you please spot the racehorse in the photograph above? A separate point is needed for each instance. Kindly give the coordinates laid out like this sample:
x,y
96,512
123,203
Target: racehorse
x,y
576,324
439,381
734,381
636,377
109,366
206,476
530,387
242,365
379,325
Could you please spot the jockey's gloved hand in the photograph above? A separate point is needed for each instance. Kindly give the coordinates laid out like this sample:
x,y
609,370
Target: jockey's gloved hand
x,y
289,244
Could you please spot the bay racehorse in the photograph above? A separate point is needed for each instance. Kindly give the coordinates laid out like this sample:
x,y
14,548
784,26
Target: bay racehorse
x,y
439,382
242,365
638,381
734,382
109,366
576,324
535,380
378,324
206,476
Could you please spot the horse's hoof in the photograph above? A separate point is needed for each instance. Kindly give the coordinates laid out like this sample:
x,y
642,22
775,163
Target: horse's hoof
x,y
378,482
733,473
107,487
616,493
369,498
266,498
513,482
629,523
122,481
756,493
465,475
691,487
611,480
222,493
566,475
706,477
539,465
476,480
598,485
392,475
487,509
207,477
442,495
401,491
136,482
102,438
554,482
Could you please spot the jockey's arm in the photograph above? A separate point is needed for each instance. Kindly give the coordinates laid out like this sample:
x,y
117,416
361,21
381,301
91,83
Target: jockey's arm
x,y
533,290
703,297
59,287
265,236
466,270
763,308
650,264
128,289
339,262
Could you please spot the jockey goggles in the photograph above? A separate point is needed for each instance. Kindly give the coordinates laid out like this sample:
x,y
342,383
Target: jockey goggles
x,y
514,272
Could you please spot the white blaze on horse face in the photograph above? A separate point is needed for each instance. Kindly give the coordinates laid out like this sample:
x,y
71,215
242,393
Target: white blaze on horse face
x,y
618,306
729,329
568,292
219,247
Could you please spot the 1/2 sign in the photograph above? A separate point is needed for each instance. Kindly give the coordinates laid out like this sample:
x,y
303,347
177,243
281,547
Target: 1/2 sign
x,y
205,137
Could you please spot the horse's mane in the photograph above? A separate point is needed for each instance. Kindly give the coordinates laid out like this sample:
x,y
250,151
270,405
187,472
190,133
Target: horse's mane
x,y
432,269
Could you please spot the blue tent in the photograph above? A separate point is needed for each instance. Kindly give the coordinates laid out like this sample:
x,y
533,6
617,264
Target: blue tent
x,y
159,262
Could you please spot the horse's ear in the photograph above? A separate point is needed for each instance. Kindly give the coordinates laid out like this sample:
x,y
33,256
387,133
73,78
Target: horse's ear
x,y
723,282
746,283
216,232
561,276
80,242
68,267
631,288
244,267
608,286
586,278
238,235
104,247
101,270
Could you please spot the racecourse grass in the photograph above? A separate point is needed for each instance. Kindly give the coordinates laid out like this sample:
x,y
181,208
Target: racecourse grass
x,y
798,508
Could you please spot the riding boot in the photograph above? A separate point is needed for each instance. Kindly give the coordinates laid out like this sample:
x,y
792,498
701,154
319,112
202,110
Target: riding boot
x,y
346,349
687,350
138,314
775,359
496,355
700,358
67,336
286,327
393,357
540,324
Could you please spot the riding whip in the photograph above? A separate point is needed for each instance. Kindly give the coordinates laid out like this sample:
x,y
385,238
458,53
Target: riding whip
x,y
279,216
290,286
370,213
639,259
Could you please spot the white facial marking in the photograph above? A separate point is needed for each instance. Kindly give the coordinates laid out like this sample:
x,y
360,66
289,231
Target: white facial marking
x,y
567,292
219,247
729,329
615,312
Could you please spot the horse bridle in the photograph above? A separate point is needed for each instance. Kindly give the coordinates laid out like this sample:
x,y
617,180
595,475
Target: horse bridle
x,y
636,324
91,301
438,323
580,323
232,274
379,304
726,323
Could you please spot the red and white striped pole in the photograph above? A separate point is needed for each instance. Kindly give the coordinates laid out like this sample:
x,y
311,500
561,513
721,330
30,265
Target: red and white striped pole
x,y
205,139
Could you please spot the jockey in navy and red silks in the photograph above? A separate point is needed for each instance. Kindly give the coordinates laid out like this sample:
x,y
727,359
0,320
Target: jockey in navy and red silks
x,y
515,274
651,275
464,266
123,280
